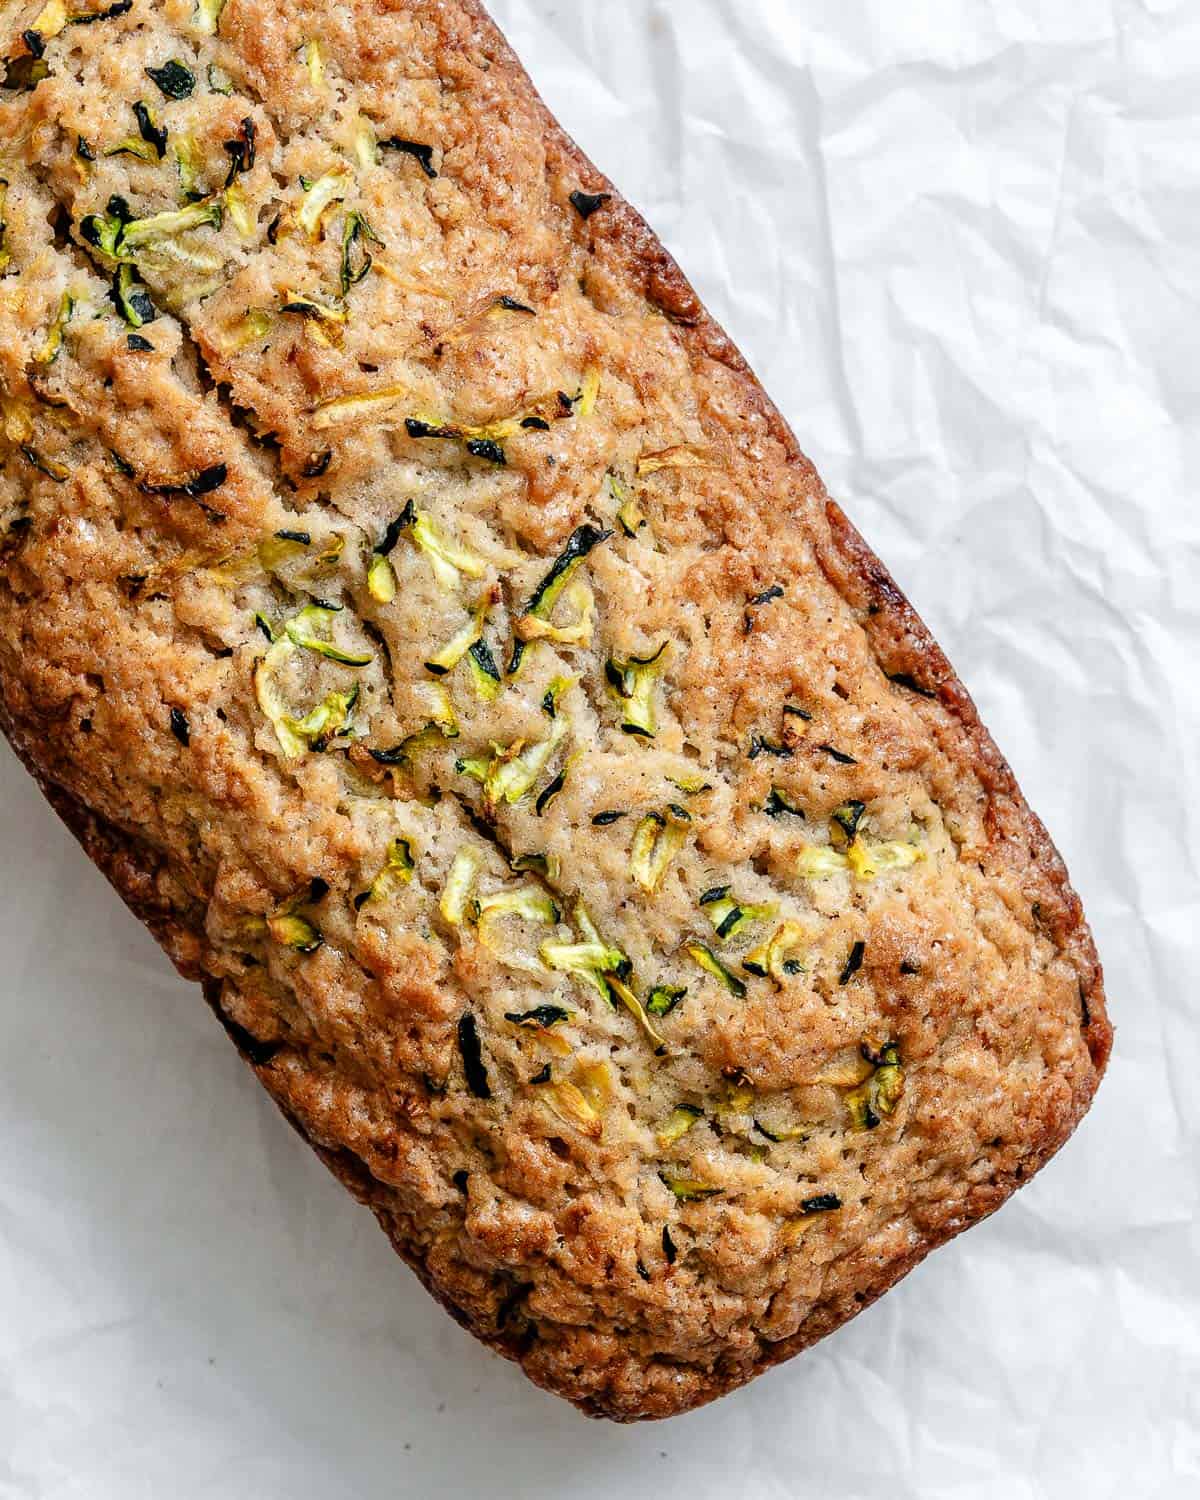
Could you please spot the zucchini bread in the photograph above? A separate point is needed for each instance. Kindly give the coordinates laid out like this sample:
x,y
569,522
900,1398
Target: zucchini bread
x,y
416,608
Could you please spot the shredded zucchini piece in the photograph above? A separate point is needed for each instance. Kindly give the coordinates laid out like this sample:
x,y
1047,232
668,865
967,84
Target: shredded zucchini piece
x,y
448,560
630,516
307,306
637,1010
678,1123
579,598
252,329
188,163
330,717
572,1104
208,16
397,871
729,916
542,1017
554,691
770,959
457,890
711,964
528,901
314,62
52,346
356,258
350,408
381,579
460,643
52,19
689,1189
329,188
366,146
290,930
818,862
876,1098
589,391
307,630
511,775
844,822
585,960
656,842
887,856
664,998
531,904
581,542
632,685
485,674
238,207
166,225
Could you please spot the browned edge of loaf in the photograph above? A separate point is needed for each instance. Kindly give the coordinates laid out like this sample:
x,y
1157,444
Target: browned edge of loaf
x,y
905,651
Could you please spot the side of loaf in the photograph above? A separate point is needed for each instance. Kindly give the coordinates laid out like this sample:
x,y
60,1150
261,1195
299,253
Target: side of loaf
x,y
415,606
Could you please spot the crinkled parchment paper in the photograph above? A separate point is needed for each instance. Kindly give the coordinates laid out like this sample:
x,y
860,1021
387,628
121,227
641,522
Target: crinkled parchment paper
x,y
960,241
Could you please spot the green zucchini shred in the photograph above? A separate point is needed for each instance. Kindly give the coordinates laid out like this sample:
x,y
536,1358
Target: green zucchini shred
x,y
543,1016
512,773
656,842
459,644
689,1189
52,345
664,998
730,916
876,1097
356,258
314,62
188,165
208,16
637,1010
397,871
528,901
589,961
677,1124
557,687
457,890
116,235
330,718
174,80
583,540
711,964
777,804
770,959
131,297
485,674
381,579
632,684
50,467
290,930
308,630
319,194
448,560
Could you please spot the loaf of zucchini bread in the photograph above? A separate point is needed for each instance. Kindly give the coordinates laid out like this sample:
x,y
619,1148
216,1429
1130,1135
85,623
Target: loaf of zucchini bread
x,y
417,609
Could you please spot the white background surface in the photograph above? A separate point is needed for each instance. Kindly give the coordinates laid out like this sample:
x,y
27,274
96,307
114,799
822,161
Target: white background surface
x,y
958,240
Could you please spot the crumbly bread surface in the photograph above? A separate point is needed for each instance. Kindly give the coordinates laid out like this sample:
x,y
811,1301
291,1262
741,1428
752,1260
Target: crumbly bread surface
x,y
416,607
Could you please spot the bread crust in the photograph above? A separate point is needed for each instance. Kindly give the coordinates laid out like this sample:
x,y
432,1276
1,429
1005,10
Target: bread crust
x,y
611,1378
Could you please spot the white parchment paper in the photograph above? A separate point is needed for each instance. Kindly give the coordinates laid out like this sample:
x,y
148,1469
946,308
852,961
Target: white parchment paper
x,y
958,240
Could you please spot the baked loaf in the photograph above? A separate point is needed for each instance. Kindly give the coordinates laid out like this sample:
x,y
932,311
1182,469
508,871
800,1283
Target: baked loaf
x,y
415,606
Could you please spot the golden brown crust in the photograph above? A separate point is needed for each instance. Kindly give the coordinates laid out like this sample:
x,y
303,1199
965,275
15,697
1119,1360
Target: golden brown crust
x,y
357,1049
